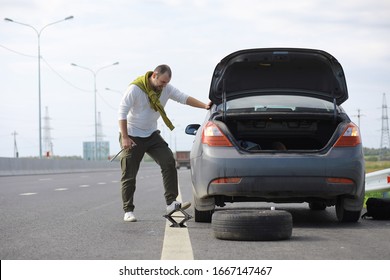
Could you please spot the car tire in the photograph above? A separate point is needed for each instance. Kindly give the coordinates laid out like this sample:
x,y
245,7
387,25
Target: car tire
x,y
203,216
344,215
317,206
252,225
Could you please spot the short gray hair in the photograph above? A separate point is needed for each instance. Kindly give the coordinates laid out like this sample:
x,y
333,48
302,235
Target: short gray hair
x,y
162,69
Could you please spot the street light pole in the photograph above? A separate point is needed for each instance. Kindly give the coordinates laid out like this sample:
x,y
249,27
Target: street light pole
x,y
39,32
94,73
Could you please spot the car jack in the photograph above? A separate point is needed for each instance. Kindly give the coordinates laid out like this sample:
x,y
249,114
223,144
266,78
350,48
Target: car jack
x,y
180,224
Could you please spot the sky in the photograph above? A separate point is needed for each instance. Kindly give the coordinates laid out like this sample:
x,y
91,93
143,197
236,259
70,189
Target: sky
x,y
191,36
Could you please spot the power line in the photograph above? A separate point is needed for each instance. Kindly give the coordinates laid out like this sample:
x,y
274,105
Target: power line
x,y
19,53
62,78
48,65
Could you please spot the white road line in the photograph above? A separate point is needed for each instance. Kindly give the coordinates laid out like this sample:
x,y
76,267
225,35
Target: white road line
x,y
28,193
102,183
177,243
61,189
84,186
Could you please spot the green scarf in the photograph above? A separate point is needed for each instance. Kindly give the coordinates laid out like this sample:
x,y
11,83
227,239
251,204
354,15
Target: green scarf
x,y
154,97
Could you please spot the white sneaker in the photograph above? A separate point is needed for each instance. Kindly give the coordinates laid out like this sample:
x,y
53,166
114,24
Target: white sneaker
x,y
129,217
176,205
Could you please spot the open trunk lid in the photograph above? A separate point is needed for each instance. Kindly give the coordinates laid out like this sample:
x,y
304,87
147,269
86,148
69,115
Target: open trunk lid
x,y
305,72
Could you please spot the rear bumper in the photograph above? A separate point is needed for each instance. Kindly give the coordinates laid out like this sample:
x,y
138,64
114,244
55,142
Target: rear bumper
x,y
282,187
278,176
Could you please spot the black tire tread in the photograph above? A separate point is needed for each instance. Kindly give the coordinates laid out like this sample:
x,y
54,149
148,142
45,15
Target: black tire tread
x,y
252,225
203,216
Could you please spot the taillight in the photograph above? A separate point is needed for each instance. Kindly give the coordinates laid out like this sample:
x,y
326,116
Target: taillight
x,y
350,137
227,180
213,136
337,180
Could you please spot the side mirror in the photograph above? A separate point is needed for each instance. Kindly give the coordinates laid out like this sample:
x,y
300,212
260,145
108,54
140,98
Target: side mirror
x,y
192,129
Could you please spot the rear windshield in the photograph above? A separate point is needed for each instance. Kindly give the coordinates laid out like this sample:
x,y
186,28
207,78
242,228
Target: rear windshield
x,y
278,103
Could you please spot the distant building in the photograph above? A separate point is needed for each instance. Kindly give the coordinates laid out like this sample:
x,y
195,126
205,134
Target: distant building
x,y
103,150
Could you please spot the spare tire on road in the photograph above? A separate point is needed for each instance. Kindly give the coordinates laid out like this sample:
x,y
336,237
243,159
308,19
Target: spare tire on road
x,y
252,225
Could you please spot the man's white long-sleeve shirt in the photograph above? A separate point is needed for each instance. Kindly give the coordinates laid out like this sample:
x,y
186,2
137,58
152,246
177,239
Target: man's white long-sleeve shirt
x,y
135,108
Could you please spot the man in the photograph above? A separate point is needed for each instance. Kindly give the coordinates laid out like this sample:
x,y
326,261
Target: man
x,y
141,106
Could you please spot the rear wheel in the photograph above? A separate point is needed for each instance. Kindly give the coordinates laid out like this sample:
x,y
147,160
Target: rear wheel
x,y
203,216
344,215
203,208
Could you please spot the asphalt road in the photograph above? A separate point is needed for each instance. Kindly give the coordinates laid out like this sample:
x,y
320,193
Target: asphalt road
x,y
79,217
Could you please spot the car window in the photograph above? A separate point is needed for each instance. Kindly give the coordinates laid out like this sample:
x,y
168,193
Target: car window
x,y
278,102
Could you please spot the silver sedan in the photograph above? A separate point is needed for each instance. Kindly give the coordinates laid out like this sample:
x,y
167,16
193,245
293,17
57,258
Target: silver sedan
x,y
277,133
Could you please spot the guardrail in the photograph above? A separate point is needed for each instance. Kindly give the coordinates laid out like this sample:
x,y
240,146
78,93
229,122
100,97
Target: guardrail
x,y
29,166
378,181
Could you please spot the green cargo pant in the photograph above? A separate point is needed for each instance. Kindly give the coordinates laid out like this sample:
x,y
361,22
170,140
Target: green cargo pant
x,y
158,150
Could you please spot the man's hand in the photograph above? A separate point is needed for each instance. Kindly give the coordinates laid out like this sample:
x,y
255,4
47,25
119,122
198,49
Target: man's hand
x,y
208,106
127,142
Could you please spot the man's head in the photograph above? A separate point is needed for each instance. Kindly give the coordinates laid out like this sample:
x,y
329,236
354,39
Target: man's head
x,y
161,77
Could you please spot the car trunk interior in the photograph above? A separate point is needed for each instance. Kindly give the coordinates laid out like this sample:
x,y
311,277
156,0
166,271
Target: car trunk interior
x,y
258,131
